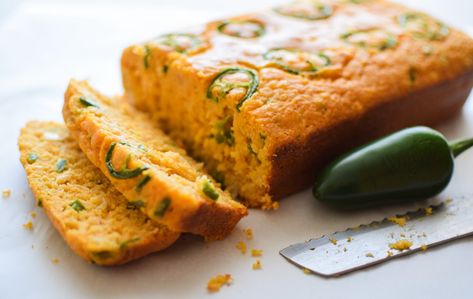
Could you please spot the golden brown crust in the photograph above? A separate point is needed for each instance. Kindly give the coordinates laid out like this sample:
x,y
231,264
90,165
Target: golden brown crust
x,y
304,160
172,195
303,116
105,224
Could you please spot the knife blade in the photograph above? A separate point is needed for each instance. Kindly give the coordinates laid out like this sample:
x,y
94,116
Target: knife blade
x,y
357,248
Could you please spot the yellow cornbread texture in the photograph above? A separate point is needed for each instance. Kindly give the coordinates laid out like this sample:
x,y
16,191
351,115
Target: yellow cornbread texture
x,y
268,99
256,265
6,193
401,245
256,252
401,221
249,233
151,171
218,281
91,215
241,246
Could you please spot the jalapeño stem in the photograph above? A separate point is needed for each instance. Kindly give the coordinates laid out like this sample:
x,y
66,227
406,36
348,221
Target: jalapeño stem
x,y
459,146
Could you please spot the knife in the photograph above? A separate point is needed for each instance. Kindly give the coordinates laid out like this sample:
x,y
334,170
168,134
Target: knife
x,y
357,248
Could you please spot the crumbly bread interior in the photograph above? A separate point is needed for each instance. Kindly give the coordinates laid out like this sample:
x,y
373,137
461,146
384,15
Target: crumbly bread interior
x,y
147,166
251,94
93,217
211,131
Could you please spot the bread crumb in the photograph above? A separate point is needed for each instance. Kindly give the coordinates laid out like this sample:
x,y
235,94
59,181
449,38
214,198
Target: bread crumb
x,y
256,265
349,239
33,214
401,245
401,221
241,246
428,211
270,205
6,193
306,271
344,249
215,283
256,252
333,241
423,247
390,253
28,225
402,235
249,233
55,261
369,254
448,200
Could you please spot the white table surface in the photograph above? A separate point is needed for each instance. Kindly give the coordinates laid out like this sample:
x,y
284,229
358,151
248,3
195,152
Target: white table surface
x,y
44,43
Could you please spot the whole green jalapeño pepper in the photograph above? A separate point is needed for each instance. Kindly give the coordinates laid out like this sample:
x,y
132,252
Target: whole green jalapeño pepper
x,y
411,164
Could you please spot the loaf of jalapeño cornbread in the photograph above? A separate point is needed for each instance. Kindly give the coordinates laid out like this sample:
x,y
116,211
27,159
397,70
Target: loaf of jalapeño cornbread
x,y
267,99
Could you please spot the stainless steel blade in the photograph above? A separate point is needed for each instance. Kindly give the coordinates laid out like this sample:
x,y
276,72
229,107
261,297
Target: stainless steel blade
x,y
357,248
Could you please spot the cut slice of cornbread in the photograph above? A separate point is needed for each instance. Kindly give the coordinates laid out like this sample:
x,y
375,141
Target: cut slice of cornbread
x,y
269,98
148,167
92,216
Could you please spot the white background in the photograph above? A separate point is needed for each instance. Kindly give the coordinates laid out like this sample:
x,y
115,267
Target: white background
x,y
44,43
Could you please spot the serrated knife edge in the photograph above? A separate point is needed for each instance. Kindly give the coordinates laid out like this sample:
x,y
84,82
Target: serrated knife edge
x,y
370,244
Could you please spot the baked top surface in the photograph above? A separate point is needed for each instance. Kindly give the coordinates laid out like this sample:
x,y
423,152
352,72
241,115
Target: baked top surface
x,y
93,217
318,61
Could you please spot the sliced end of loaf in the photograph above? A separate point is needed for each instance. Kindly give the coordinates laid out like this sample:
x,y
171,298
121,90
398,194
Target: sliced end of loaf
x,y
91,215
147,166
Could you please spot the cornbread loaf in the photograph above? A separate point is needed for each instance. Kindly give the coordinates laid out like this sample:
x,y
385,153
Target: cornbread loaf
x,y
91,215
153,173
267,99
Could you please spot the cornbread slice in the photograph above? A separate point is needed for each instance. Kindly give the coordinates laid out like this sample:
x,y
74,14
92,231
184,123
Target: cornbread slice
x,y
267,99
91,215
148,167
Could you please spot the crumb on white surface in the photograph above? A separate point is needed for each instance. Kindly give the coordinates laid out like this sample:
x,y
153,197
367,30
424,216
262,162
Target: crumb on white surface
x,y
249,233
256,265
215,283
6,193
401,245
256,252
241,246
28,225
